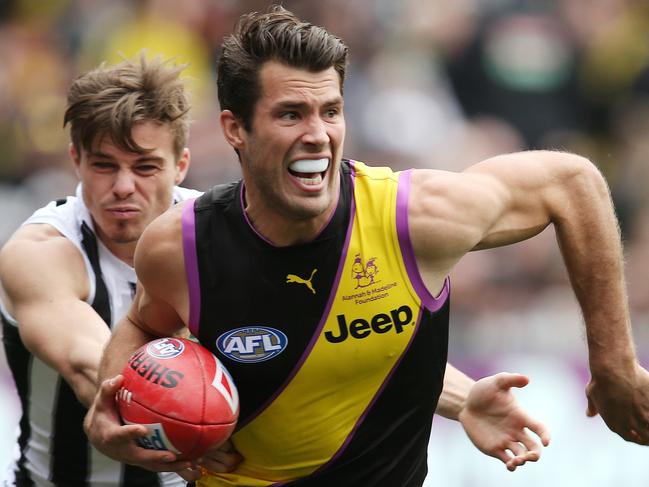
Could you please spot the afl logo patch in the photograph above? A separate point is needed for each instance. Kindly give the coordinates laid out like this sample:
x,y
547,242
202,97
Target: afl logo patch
x,y
165,348
252,343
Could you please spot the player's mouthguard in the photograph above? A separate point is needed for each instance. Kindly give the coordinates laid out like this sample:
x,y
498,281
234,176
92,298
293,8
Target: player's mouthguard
x,y
309,166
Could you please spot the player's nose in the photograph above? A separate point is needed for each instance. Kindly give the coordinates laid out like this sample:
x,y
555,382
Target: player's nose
x,y
315,132
124,184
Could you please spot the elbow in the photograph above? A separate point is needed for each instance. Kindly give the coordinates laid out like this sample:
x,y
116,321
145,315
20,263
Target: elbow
x,y
583,190
584,177
82,385
80,373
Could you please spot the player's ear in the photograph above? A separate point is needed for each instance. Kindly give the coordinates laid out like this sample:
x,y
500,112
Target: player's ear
x,y
233,129
76,158
182,166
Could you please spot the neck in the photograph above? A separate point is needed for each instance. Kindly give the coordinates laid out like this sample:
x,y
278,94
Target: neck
x,y
283,231
123,251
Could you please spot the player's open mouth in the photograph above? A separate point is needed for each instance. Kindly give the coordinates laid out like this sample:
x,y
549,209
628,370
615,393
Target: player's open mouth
x,y
309,172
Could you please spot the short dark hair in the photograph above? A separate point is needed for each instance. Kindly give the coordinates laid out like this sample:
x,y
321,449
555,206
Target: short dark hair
x,y
110,100
276,35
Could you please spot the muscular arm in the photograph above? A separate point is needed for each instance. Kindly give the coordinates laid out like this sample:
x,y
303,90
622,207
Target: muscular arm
x,y
160,307
46,284
157,310
513,197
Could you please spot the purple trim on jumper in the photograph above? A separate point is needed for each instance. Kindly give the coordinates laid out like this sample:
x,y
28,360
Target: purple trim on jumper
x,y
242,199
245,215
375,398
191,265
318,331
361,419
433,303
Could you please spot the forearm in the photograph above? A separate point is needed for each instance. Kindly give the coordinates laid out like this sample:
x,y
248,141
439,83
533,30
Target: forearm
x,y
454,394
76,359
589,239
126,338
70,341
81,372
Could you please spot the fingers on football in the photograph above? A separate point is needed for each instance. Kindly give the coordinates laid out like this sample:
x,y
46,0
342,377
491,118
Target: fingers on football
x,y
132,432
159,461
109,387
220,461
190,474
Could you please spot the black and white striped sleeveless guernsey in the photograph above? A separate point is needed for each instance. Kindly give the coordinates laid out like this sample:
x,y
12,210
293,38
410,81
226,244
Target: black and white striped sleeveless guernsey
x,y
52,449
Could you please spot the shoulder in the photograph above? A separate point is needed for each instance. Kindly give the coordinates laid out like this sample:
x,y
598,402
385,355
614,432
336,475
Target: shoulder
x,y
220,196
159,257
162,237
63,214
431,191
362,170
448,212
40,254
39,239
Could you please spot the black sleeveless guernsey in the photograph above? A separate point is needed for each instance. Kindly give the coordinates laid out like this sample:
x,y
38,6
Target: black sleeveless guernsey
x,y
336,347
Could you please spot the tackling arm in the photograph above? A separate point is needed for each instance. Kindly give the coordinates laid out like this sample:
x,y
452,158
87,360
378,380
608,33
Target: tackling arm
x,y
46,284
157,310
161,296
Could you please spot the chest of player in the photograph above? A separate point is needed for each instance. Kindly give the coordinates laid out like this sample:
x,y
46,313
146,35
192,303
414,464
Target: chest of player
x,y
341,304
265,302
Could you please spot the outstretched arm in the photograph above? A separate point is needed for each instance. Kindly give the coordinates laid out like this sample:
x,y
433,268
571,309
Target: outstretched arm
x,y
46,286
491,417
149,317
159,309
513,197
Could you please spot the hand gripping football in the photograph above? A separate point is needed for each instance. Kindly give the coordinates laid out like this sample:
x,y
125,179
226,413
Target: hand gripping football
x,y
182,394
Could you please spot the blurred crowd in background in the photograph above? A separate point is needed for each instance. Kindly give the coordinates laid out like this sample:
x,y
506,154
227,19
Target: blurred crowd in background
x,y
431,83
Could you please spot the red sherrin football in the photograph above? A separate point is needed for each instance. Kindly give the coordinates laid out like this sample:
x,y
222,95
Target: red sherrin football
x,y
182,393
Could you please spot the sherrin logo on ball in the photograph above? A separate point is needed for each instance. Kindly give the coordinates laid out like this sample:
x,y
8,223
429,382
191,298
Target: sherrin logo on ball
x,y
183,395
165,348
252,343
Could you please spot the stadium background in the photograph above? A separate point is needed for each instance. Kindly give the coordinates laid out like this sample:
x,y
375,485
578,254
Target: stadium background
x,y
438,83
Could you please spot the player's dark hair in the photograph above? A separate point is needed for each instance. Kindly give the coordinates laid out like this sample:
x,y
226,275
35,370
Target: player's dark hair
x,y
276,35
111,100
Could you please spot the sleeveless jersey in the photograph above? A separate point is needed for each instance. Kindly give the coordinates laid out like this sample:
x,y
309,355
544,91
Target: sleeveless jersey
x,y
52,448
336,347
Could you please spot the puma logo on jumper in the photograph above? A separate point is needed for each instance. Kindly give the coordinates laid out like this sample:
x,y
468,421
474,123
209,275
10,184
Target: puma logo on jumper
x,y
299,280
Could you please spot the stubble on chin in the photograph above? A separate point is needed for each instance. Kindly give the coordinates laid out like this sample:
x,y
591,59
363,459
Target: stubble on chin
x,y
126,233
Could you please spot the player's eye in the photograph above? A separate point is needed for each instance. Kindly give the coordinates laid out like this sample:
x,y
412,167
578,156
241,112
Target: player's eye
x,y
103,166
146,169
288,115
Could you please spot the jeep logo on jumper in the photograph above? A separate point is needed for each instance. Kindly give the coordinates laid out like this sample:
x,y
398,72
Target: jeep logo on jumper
x,y
165,348
360,328
252,343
